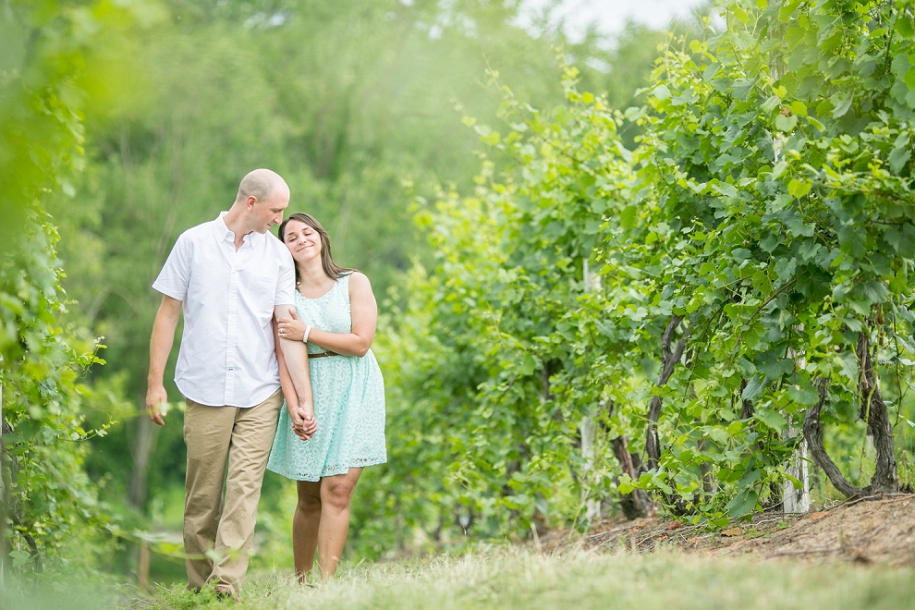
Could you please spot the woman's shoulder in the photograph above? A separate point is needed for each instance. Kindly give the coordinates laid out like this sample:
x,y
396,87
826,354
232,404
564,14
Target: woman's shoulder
x,y
358,281
356,275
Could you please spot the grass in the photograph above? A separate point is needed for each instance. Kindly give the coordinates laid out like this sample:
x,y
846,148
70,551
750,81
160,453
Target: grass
x,y
524,579
573,579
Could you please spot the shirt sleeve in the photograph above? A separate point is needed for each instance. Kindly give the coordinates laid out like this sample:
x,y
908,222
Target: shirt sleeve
x,y
285,280
175,275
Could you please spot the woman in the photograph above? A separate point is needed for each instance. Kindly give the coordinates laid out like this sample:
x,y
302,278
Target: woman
x,y
335,314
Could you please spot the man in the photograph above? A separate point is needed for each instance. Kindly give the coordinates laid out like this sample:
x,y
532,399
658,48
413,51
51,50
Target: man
x,y
231,277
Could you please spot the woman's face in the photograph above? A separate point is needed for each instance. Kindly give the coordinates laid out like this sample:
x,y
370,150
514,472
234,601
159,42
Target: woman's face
x,y
304,243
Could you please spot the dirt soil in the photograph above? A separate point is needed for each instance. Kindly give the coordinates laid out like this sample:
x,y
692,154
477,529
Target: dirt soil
x,y
864,531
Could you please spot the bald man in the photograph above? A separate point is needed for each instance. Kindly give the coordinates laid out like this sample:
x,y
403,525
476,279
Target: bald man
x,y
231,277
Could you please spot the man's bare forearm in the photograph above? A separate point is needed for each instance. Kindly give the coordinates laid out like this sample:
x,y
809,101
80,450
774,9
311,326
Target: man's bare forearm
x,y
295,355
285,380
160,345
163,337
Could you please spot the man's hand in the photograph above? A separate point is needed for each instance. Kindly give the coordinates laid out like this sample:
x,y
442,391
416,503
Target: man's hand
x,y
303,421
155,397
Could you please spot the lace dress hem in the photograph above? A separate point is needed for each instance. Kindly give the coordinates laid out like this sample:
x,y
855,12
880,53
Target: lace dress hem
x,y
331,470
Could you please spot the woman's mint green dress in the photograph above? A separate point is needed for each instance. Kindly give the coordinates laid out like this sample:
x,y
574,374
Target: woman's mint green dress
x,y
348,399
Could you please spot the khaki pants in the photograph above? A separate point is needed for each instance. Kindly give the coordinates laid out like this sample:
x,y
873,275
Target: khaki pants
x,y
215,435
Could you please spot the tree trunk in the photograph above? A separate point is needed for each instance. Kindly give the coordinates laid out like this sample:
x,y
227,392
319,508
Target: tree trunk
x,y
141,451
746,407
874,411
813,433
704,470
637,503
669,360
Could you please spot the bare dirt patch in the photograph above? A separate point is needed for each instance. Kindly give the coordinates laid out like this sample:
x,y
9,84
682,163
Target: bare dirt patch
x,y
865,531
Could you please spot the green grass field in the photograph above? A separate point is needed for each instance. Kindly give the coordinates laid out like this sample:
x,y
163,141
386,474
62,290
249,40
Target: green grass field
x,y
524,579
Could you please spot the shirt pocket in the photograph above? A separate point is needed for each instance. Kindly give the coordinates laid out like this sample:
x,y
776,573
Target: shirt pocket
x,y
259,288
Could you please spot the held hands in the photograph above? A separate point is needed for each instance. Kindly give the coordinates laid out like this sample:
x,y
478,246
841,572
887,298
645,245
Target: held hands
x,y
156,397
303,420
291,328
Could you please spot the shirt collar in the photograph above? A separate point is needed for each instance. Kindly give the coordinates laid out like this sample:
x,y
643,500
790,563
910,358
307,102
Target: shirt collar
x,y
223,233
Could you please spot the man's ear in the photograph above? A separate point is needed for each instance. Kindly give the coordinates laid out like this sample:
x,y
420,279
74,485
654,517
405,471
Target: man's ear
x,y
250,202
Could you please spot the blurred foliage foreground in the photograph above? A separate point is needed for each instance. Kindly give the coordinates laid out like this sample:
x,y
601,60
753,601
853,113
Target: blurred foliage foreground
x,y
655,309
51,61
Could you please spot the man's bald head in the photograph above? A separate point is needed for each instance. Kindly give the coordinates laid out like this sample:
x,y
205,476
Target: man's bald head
x,y
262,197
262,184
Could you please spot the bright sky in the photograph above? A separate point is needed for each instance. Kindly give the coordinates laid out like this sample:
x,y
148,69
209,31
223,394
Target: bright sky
x,y
611,15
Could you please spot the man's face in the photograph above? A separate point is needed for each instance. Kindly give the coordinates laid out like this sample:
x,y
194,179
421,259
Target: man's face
x,y
269,212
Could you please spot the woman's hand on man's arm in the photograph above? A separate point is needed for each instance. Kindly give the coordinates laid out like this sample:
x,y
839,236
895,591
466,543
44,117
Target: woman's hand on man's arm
x,y
363,314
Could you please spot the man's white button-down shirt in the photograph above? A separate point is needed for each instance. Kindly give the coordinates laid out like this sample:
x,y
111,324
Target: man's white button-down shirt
x,y
227,355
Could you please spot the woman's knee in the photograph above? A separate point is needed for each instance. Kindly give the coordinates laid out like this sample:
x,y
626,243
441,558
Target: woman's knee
x,y
309,497
337,494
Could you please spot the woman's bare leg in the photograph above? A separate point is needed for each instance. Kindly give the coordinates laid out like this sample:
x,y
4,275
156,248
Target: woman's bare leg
x,y
336,494
305,524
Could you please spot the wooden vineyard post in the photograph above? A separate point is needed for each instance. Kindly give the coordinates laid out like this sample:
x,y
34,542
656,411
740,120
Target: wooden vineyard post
x,y
143,567
797,500
794,500
588,427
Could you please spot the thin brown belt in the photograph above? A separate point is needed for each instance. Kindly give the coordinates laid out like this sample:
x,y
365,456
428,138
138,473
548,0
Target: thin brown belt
x,y
323,355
